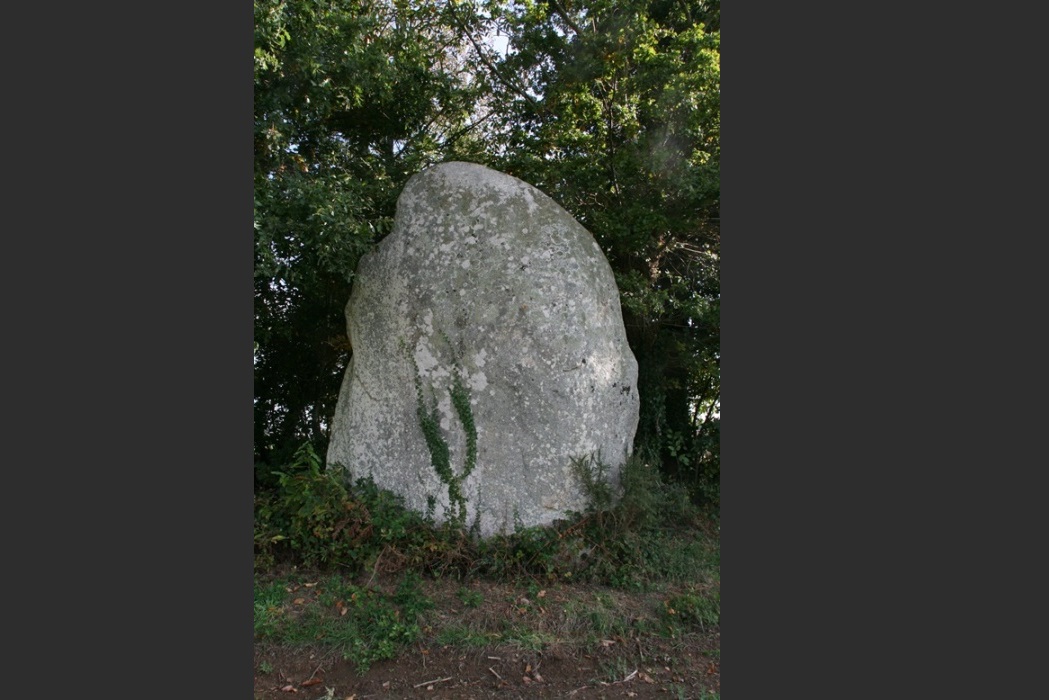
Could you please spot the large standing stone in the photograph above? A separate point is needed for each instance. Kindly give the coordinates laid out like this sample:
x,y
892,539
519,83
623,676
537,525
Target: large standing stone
x,y
486,294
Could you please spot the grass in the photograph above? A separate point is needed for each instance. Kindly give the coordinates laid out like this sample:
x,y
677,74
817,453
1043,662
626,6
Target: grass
x,y
627,572
470,598
694,608
462,636
363,624
613,670
269,609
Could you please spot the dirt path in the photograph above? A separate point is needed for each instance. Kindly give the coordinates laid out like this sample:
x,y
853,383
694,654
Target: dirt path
x,y
492,673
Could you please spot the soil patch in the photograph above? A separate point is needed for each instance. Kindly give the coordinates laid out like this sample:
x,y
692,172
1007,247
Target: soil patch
x,y
493,640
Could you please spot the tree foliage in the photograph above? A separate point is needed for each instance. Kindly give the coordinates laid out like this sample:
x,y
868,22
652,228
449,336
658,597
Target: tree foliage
x,y
612,107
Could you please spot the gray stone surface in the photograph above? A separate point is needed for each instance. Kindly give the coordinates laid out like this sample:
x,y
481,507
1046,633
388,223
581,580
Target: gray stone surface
x,y
486,281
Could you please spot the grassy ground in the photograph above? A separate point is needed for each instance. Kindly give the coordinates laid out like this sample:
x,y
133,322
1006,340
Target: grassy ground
x,y
356,597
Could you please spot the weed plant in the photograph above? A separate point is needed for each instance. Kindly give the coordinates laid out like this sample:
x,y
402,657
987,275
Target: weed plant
x,y
635,532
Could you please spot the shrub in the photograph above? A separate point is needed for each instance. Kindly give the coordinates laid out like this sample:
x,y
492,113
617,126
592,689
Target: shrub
x,y
309,517
634,531
648,534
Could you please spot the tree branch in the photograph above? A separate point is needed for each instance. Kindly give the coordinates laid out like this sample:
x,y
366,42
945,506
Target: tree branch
x,y
484,59
564,15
